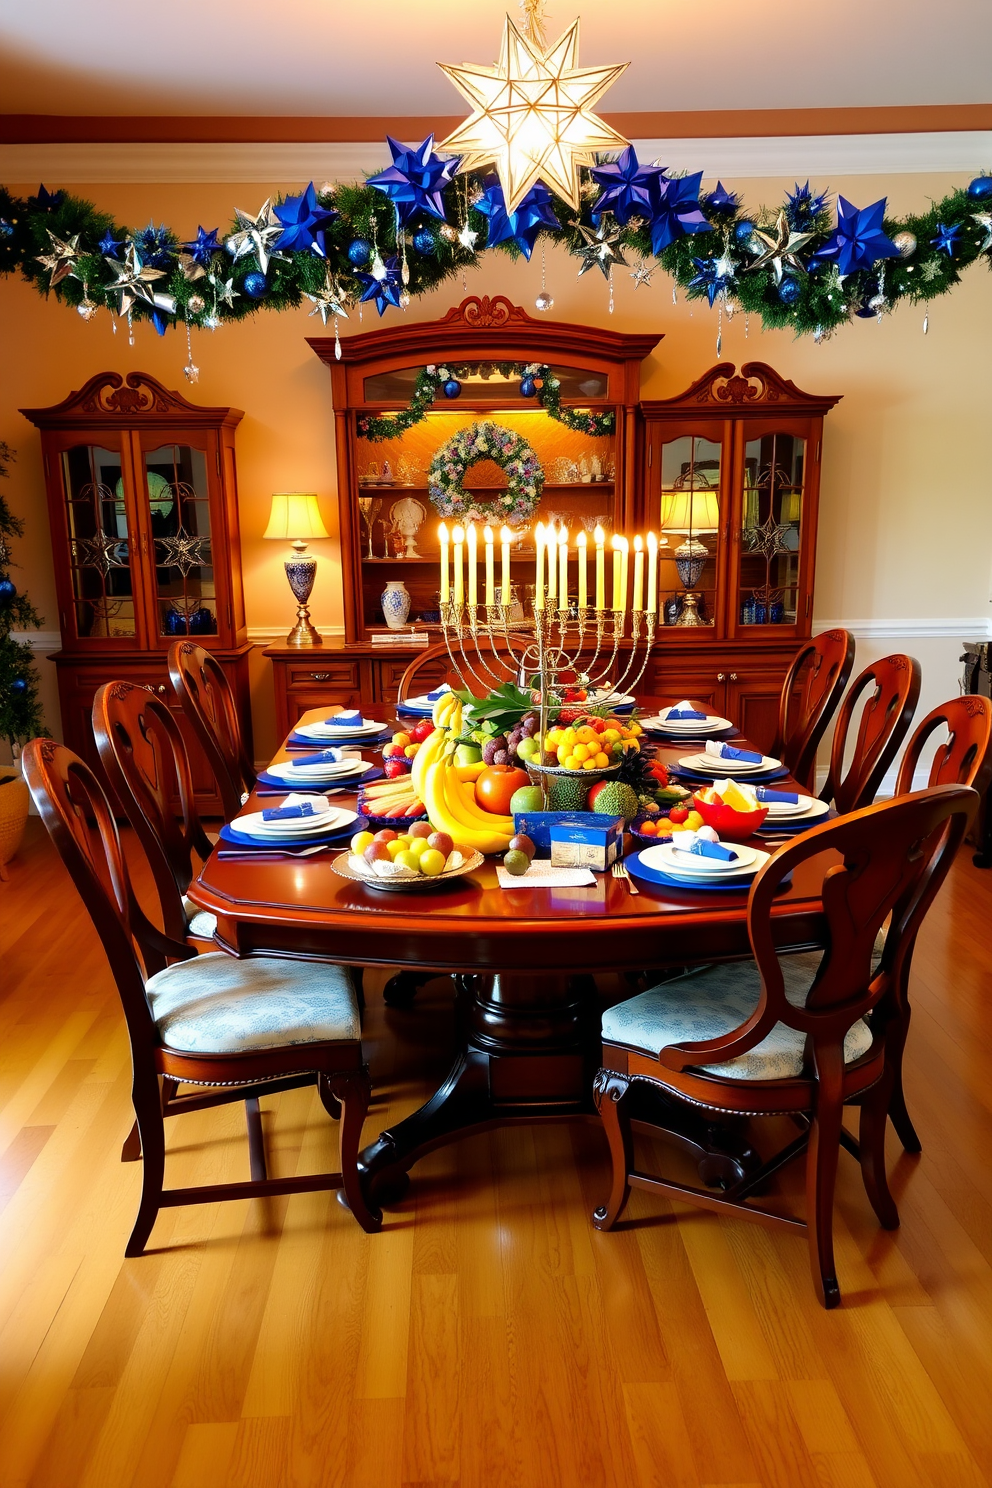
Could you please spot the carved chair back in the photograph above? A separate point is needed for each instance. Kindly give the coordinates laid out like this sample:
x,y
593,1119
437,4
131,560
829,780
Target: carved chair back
x,y
894,856
819,674
885,718
965,757
142,751
80,821
208,702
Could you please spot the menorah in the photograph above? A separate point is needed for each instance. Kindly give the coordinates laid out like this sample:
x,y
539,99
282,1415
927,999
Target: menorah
x,y
488,647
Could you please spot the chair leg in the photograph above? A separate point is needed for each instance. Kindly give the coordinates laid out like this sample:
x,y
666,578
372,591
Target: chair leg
x,y
256,1140
131,1151
151,1129
821,1175
905,1129
874,1118
353,1090
609,1089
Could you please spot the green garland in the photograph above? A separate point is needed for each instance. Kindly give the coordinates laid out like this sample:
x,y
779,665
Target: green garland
x,y
431,380
824,302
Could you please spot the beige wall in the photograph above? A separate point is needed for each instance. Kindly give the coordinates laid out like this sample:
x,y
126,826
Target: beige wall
x,y
905,543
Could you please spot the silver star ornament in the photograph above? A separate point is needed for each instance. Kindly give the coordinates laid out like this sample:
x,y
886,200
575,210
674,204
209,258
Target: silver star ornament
x,y
256,235
602,249
642,275
61,260
134,281
781,249
984,220
328,301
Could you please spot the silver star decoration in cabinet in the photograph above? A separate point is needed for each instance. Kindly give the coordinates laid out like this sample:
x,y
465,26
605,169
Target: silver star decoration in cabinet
x,y
766,539
603,248
184,551
100,552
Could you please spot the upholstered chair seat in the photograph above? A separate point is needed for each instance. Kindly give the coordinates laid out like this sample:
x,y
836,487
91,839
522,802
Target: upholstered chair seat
x,y
713,1002
200,923
217,1004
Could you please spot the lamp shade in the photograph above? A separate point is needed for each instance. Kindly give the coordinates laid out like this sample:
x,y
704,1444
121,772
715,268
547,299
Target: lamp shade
x,y
690,511
295,517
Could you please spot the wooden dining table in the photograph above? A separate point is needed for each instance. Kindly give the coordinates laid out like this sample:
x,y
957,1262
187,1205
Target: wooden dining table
x,y
524,960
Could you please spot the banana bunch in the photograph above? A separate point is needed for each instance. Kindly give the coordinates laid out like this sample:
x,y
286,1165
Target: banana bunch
x,y
452,808
447,713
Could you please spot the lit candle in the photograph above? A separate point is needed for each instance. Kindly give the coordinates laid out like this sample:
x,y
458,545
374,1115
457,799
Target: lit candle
x,y
624,557
539,585
504,537
638,573
563,568
551,533
652,574
442,533
488,534
473,562
617,573
458,537
582,554
600,537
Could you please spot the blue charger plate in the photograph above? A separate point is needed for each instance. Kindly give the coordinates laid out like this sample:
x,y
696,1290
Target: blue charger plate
x,y
314,787
763,778
640,870
367,741
671,738
326,839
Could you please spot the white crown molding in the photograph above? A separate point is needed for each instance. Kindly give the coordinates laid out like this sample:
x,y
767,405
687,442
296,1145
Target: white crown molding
x,y
959,151
967,628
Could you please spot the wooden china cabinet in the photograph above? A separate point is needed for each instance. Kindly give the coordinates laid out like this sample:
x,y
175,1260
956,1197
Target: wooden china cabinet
x,y
142,502
744,446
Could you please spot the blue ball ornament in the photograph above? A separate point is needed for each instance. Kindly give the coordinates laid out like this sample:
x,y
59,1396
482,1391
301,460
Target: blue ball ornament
x,y
528,387
790,290
452,388
425,241
359,252
254,286
18,685
7,591
743,232
980,189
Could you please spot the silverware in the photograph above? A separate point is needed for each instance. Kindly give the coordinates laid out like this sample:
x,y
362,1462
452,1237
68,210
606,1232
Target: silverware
x,y
272,852
620,871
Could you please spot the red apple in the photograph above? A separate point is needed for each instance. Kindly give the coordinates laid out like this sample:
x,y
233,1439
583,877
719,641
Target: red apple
x,y
394,767
386,835
421,829
377,852
441,841
421,731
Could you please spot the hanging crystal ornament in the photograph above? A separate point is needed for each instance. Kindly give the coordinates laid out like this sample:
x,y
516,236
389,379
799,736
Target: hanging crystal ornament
x,y
337,341
130,327
926,320
191,371
609,280
86,308
642,274
544,301
675,295
719,326
401,241
747,323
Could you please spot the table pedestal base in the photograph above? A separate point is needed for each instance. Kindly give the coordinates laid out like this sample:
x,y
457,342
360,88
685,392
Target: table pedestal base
x,y
529,1051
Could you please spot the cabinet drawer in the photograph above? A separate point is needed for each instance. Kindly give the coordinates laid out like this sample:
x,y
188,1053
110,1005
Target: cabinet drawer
x,y
390,671
321,675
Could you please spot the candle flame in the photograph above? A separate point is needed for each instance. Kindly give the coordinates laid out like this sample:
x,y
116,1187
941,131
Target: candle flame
x,y
505,535
442,533
638,544
581,539
563,536
600,537
616,543
458,533
488,534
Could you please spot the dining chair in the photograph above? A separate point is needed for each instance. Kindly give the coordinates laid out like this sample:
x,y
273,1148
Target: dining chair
x,y
144,758
756,1038
208,702
885,717
811,692
235,1030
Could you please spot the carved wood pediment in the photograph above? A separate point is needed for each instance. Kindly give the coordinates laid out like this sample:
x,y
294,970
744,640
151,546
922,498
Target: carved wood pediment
x,y
135,396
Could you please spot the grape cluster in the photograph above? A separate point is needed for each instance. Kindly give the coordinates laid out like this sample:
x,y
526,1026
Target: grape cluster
x,y
503,749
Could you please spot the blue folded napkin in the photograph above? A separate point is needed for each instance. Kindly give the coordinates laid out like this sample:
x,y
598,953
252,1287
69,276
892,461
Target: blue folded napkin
x,y
720,750
285,813
790,798
704,849
438,692
353,719
323,756
678,715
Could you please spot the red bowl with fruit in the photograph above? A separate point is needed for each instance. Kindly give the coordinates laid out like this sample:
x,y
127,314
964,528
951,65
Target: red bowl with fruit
x,y
733,826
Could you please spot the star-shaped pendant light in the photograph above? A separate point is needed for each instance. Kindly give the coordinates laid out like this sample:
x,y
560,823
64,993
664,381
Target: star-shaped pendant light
x,y
533,115
781,249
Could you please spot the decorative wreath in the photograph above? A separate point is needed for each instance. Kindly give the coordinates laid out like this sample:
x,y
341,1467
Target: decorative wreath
x,y
486,441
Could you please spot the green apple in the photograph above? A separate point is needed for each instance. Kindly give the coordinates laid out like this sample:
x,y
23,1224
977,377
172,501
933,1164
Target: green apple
x,y
527,798
527,748
467,754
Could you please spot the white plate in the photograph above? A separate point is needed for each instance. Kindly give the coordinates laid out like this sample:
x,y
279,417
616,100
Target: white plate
x,y
322,822
669,858
602,695
328,731
808,807
423,701
716,767
313,773
712,720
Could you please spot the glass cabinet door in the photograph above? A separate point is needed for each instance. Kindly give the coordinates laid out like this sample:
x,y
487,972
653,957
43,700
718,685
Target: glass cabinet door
x,y
177,511
100,543
689,518
771,529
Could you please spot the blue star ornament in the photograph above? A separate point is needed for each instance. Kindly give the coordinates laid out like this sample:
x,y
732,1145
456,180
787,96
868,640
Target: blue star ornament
x,y
859,240
803,207
155,246
303,222
47,201
947,238
415,181
715,275
382,291
721,203
676,211
522,226
203,247
110,246
629,187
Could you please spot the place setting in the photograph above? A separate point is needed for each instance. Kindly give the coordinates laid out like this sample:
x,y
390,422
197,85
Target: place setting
x,y
682,723
343,726
298,827
718,758
317,771
790,812
423,705
697,861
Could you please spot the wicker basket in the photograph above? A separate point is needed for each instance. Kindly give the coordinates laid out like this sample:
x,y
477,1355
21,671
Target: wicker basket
x,y
14,802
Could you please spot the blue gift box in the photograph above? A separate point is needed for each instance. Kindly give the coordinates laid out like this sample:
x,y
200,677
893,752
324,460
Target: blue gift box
x,y
586,839
582,828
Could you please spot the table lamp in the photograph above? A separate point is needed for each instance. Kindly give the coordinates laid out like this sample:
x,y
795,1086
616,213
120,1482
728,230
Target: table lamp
x,y
690,512
295,518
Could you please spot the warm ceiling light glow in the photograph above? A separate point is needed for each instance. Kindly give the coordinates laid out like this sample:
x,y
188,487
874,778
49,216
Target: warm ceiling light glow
x,y
533,115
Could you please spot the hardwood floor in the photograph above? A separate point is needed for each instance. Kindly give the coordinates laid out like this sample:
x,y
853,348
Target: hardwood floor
x,y
489,1336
